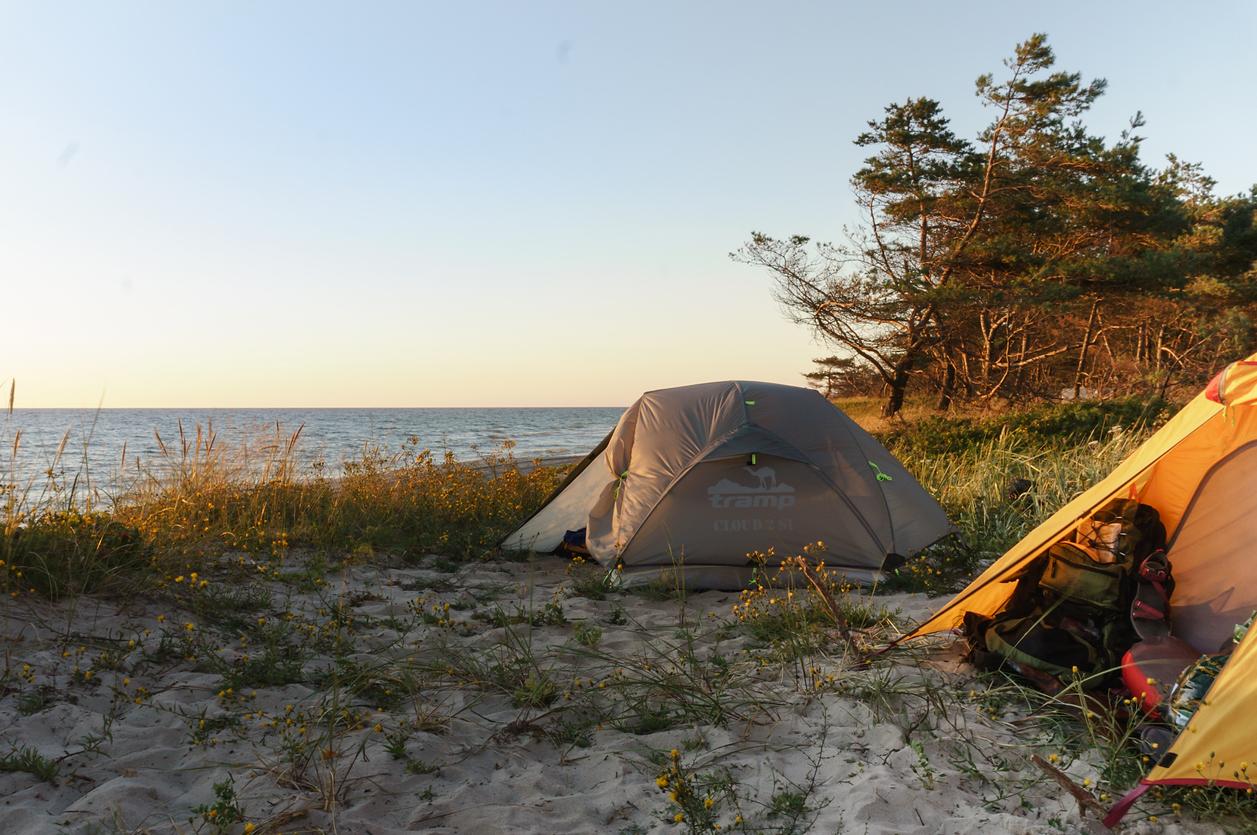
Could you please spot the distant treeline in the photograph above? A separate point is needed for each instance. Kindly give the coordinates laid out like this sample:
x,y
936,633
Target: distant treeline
x,y
1036,261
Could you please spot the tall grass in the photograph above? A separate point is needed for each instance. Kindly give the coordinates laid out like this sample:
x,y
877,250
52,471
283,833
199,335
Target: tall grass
x,y
200,499
410,500
974,484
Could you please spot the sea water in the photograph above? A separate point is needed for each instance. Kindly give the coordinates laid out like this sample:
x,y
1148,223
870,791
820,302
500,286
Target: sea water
x,y
96,438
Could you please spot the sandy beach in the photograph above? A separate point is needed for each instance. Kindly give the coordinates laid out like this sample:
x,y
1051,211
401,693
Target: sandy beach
x,y
381,699
628,419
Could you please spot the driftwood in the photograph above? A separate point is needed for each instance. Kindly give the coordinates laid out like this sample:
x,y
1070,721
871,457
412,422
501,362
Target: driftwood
x,y
1086,801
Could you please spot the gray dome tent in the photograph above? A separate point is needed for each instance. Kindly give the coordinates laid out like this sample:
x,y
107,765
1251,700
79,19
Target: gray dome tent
x,y
696,477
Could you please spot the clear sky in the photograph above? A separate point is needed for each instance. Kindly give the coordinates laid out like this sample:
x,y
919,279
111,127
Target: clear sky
x,y
473,203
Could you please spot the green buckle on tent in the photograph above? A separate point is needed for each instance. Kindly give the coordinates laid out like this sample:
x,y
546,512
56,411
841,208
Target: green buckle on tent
x,y
749,402
881,476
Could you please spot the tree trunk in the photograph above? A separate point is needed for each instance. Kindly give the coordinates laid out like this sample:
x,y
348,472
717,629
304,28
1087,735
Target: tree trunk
x,y
1023,348
987,351
948,389
1165,384
1081,365
898,386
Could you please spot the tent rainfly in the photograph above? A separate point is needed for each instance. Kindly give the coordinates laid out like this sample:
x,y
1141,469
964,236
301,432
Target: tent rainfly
x,y
693,479
1200,473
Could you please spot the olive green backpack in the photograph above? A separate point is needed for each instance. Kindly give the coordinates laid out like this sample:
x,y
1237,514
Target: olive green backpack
x,y
1070,613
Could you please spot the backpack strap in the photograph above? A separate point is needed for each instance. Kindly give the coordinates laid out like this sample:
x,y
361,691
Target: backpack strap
x,y
1017,651
1150,608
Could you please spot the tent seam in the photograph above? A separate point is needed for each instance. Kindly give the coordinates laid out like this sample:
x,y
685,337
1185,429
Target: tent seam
x,y
684,471
1200,488
881,491
833,485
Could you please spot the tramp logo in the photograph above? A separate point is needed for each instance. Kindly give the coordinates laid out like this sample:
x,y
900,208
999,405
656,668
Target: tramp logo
x,y
768,492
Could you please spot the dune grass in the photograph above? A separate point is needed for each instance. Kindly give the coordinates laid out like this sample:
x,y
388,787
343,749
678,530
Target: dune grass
x,y
973,482
198,501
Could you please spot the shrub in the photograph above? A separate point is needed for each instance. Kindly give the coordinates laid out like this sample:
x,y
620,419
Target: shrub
x,y
59,553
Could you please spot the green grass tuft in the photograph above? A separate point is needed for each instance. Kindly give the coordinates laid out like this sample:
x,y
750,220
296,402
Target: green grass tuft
x,y
29,761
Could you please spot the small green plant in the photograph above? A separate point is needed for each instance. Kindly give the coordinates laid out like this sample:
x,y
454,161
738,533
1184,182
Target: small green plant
x,y
395,742
205,728
924,770
588,580
666,587
276,666
697,798
549,614
787,803
587,634
420,767
224,812
536,690
231,608
512,667
798,608
576,731
28,760
644,719
34,700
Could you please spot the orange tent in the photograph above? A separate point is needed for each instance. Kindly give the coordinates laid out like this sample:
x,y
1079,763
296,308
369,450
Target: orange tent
x,y
1200,473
